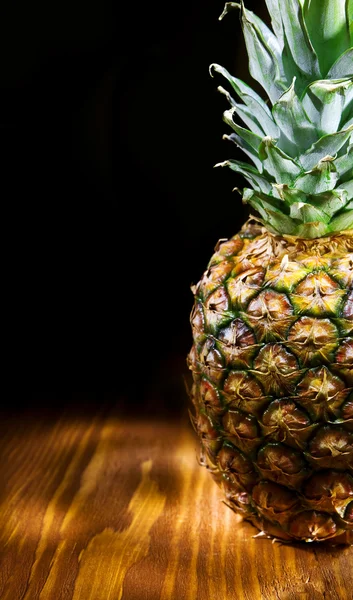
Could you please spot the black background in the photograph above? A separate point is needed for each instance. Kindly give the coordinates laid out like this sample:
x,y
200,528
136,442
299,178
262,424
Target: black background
x,y
110,127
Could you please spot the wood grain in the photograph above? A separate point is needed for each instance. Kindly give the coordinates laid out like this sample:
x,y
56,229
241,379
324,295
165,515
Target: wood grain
x,y
105,507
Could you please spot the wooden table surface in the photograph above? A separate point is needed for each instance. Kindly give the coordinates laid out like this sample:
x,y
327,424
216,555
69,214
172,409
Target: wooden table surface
x,y
99,505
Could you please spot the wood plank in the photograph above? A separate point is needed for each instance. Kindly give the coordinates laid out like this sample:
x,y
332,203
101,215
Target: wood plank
x,y
106,507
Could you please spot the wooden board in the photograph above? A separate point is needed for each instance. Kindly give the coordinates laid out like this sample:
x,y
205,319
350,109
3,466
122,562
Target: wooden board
x,y
99,506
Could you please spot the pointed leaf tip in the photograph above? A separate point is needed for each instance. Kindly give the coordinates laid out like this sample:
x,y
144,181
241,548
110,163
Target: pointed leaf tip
x,y
229,6
221,164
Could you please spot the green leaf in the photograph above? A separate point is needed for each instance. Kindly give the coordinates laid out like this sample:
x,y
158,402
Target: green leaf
x,y
264,199
279,222
308,214
298,40
263,65
250,138
324,101
283,168
313,230
348,187
247,116
269,209
293,121
321,178
265,32
255,103
328,145
257,181
244,113
342,222
344,164
329,202
245,147
328,29
276,20
343,67
289,195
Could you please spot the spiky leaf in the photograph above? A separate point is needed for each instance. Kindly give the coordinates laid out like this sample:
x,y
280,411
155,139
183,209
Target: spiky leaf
x,y
302,149
289,195
250,138
307,213
282,167
255,103
244,113
263,65
328,145
251,153
320,179
292,119
270,211
324,102
330,202
257,181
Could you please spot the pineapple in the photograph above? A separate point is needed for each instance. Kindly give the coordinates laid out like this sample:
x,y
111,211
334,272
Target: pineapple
x,y
272,322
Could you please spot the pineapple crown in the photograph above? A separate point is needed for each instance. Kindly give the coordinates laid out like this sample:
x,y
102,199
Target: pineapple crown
x,y
301,140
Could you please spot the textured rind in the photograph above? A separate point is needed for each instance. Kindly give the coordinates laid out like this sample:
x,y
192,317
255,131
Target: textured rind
x,y
272,366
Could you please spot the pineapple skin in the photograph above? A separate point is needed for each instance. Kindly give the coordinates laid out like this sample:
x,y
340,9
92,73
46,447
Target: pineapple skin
x,y
272,367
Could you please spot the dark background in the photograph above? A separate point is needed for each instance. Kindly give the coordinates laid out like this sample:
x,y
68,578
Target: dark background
x,y
110,127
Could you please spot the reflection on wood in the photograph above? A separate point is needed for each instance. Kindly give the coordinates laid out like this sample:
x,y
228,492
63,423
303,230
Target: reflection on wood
x,y
106,508
114,553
